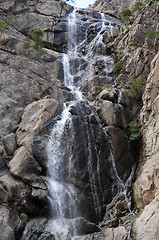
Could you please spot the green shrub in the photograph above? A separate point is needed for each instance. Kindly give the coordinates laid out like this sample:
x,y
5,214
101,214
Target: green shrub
x,y
124,19
118,67
63,3
125,15
137,85
152,33
126,12
137,6
97,92
4,25
147,1
133,132
27,45
37,35
154,5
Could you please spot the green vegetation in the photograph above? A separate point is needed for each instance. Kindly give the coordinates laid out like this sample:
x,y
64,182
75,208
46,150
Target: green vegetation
x,y
97,92
133,131
118,67
137,85
27,45
147,1
154,5
152,33
37,35
63,2
137,6
4,25
125,15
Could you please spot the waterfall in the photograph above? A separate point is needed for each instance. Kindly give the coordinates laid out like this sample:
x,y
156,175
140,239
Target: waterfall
x,y
78,145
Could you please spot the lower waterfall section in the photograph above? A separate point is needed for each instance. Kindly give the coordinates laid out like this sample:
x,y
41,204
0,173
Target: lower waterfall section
x,y
81,182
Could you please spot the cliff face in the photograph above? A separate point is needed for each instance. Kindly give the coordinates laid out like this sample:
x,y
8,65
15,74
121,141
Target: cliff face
x,y
138,51
113,7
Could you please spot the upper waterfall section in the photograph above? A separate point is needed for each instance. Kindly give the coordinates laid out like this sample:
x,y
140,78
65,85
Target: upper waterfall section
x,y
89,24
84,56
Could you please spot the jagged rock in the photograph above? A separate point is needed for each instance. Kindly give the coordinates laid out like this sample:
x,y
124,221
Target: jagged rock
x,y
113,7
11,189
24,166
109,94
33,83
118,233
146,184
10,144
51,8
146,224
19,195
35,116
10,222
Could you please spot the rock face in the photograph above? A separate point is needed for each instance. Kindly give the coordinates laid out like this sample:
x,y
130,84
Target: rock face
x,y
118,233
113,7
146,185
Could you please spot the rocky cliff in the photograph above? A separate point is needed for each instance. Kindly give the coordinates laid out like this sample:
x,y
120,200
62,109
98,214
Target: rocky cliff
x,y
137,48
32,94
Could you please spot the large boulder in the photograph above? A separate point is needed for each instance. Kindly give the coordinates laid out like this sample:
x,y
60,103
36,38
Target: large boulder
x,y
24,166
113,114
35,116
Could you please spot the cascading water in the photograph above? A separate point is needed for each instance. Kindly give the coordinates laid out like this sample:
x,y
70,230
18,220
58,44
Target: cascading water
x,y
77,148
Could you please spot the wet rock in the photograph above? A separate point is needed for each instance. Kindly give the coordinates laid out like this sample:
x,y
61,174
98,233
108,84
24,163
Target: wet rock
x,y
123,159
113,114
10,144
24,166
81,226
77,178
113,223
45,231
35,116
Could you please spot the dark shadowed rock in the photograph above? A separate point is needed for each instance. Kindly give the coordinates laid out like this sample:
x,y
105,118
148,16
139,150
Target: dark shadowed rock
x,y
3,157
121,151
10,144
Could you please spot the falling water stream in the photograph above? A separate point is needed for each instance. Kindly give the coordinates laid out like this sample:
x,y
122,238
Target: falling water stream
x,y
78,67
